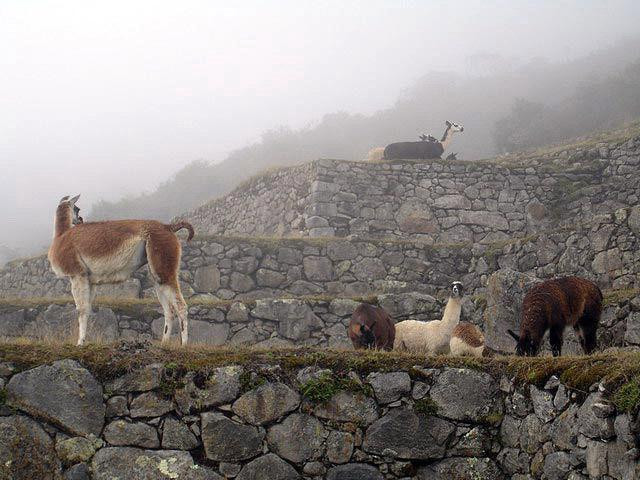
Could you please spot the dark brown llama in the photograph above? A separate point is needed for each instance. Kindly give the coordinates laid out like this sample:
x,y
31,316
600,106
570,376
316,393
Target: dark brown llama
x,y
554,304
371,327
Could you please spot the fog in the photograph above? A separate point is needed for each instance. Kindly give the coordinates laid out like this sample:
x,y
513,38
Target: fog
x,y
110,99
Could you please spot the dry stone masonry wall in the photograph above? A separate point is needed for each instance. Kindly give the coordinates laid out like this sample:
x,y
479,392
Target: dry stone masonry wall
x,y
275,323
261,422
607,250
436,201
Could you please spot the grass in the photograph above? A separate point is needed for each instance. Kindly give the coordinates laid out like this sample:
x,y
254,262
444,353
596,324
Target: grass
x,y
323,388
627,397
137,306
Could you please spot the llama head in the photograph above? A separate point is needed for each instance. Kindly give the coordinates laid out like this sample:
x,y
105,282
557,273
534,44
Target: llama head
x,y
367,338
456,127
70,205
457,289
525,346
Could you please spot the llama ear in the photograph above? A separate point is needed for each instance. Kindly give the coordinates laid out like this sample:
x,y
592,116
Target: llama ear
x,y
512,333
447,123
63,199
74,199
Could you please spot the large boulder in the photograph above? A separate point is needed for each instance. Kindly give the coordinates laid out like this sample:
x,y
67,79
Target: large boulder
x,y
407,435
268,467
26,451
227,441
136,434
266,403
12,323
411,304
467,395
150,404
64,393
144,379
222,386
295,317
389,387
177,435
61,322
505,290
348,407
309,435
126,462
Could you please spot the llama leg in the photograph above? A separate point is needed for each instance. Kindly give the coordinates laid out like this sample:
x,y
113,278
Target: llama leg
x,y
163,254
181,310
586,332
164,297
81,291
555,338
92,295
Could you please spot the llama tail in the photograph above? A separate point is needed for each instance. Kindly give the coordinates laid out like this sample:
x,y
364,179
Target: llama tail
x,y
174,227
513,334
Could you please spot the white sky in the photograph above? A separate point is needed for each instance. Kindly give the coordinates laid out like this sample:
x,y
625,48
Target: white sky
x,y
109,98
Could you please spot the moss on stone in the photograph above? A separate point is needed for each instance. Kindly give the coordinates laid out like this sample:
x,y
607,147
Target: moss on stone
x,y
323,388
426,406
627,397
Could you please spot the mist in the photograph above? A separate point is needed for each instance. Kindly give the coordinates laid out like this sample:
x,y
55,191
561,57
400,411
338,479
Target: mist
x,y
116,100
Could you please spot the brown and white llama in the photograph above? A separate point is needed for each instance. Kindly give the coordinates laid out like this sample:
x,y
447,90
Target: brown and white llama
x,y
466,339
94,253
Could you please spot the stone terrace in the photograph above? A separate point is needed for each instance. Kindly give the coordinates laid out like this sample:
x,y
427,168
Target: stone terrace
x,y
435,201
607,250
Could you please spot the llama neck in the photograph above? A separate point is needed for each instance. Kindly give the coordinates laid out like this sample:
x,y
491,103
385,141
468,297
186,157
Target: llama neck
x,y
447,137
62,222
452,312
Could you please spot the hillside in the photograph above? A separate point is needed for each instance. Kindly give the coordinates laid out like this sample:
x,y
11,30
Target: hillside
x,y
568,100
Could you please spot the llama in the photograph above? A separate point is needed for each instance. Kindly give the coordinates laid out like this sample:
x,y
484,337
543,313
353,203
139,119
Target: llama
x,y
93,253
554,304
422,150
466,339
431,338
371,327
375,154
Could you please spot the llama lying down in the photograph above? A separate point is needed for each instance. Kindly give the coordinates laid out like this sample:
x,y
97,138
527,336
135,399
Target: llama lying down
x,y
466,340
554,304
431,338
93,253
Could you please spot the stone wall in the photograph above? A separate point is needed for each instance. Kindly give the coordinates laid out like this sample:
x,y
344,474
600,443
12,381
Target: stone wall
x,y
262,323
437,201
265,422
607,250
277,198
320,322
